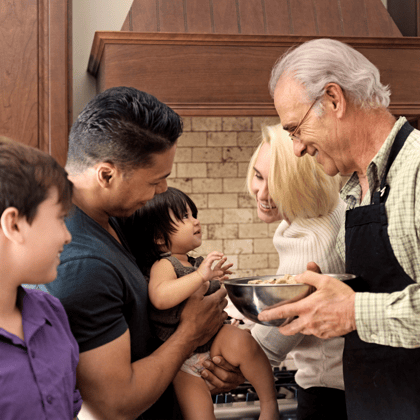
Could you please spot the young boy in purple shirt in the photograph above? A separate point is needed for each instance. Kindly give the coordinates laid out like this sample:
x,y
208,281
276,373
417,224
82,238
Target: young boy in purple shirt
x,y
38,353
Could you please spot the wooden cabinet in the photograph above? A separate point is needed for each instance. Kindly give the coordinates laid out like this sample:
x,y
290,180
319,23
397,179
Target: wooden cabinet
x,y
228,75
214,58
35,79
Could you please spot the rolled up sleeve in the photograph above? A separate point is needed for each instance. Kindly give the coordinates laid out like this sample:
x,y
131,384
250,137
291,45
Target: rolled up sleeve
x,y
389,319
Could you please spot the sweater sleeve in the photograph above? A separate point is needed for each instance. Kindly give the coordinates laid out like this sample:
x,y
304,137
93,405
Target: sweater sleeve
x,y
275,345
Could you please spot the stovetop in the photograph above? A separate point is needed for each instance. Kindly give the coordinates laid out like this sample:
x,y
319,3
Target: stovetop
x,y
242,402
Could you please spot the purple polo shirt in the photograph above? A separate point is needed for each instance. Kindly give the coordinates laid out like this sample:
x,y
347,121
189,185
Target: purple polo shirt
x,y
38,375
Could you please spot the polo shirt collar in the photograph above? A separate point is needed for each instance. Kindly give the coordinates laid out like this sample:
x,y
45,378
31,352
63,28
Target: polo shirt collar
x,y
33,318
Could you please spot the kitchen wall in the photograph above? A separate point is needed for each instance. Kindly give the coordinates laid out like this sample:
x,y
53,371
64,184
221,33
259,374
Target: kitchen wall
x,y
90,16
210,166
211,161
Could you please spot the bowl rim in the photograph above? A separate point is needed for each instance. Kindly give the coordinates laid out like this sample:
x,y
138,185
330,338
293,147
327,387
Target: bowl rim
x,y
235,281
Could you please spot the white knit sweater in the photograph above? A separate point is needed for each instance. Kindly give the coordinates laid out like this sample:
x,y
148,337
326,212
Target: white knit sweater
x,y
318,361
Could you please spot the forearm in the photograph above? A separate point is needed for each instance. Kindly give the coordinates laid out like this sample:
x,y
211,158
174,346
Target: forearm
x,y
152,375
396,320
128,389
114,387
170,293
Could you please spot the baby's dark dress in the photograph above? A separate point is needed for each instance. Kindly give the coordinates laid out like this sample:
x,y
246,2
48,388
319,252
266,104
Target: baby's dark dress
x,y
166,321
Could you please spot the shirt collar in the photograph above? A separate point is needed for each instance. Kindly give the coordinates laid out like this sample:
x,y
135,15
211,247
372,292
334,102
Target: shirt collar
x,y
33,317
381,158
351,192
30,308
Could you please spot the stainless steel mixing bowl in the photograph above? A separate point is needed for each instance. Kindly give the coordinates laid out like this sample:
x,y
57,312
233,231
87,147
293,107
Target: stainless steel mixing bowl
x,y
251,299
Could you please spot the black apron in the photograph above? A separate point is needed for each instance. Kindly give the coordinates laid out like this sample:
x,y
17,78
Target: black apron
x,y
381,382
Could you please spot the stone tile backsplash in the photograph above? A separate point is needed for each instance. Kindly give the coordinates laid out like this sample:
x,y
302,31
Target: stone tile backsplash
x,y
210,166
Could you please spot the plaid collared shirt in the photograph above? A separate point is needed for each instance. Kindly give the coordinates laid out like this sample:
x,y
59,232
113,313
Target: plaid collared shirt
x,y
392,318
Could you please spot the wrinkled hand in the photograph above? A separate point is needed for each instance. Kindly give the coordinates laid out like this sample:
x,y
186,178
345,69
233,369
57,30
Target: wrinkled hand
x,y
222,375
219,271
203,316
328,312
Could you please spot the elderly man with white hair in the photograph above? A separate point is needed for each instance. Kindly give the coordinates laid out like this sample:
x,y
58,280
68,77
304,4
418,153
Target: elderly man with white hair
x,y
331,101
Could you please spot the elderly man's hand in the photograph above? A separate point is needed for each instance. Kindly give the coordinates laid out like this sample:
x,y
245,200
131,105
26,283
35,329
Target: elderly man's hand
x,y
326,313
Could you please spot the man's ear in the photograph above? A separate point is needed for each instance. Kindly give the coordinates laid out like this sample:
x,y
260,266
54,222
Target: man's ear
x,y
105,174
335,99
12,225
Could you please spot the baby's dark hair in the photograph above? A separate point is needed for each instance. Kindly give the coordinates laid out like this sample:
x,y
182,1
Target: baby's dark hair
x,y
153,223
26,178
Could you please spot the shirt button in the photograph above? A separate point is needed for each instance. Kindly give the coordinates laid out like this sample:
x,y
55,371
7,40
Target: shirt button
x,y
373,336
49,399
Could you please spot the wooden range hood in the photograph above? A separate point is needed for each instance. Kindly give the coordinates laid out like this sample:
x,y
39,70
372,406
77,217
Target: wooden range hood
x,y
214,57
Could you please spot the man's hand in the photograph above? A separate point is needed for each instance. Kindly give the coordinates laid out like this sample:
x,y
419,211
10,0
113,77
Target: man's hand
x,y
222,375
326,313
203,316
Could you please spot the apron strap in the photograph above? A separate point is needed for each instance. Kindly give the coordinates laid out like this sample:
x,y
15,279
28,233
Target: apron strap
x,y
381,195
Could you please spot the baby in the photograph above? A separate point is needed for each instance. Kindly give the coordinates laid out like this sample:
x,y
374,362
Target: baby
x,y
169,230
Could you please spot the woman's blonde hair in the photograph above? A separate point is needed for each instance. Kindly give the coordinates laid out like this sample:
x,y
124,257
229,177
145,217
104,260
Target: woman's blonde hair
x,y
298,186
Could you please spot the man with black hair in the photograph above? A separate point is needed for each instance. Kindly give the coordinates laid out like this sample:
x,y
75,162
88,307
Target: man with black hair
x,y
121,150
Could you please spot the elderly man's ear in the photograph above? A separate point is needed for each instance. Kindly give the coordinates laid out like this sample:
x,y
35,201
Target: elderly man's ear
x,y
335,99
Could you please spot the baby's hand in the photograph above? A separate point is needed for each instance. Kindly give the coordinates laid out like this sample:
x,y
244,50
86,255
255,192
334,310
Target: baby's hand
x,y
219,271
224,269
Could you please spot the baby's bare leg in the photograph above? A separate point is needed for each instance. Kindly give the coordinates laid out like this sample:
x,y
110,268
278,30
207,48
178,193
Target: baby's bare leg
x,y
240,349
194,397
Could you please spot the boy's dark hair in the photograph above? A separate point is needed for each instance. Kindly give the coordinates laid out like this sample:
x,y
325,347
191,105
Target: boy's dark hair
x,y
153,222
26,178
123,126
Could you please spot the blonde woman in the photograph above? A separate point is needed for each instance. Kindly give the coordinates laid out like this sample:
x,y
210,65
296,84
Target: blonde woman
x,y
297,192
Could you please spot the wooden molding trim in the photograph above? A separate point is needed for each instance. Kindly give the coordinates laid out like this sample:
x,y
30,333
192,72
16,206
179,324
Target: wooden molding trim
x,y
213,74
418,17
263,109
54,82
103,38
255,109
409,110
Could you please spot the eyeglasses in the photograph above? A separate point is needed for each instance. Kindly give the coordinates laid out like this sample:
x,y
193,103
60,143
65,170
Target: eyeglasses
x,y
293,134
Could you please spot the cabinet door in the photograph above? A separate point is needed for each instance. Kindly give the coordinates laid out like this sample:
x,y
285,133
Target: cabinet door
x,y
35,73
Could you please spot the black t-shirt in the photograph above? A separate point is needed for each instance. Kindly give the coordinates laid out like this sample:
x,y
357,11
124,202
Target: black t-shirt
x,y
104,293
